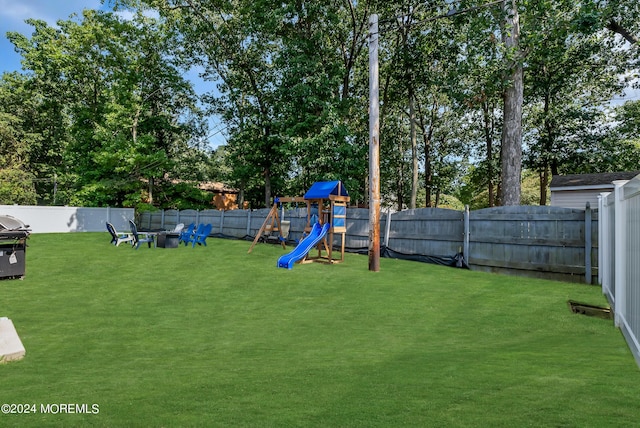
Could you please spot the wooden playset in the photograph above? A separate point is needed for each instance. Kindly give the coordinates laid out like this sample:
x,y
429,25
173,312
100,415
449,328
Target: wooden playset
x,y
326,203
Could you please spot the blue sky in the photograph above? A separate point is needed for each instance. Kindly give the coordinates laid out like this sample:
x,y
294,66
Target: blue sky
x,y
13,13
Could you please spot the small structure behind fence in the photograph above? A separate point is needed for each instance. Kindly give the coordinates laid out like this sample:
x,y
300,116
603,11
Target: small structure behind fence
x,y
619,257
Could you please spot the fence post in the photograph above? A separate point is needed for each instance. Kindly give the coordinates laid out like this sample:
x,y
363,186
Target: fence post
x,y
601,240
387,229
465,239
619,251
587,243
248,222
222,222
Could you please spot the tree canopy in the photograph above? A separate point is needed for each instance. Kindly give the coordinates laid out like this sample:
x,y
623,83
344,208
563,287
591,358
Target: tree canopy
x,y
472,93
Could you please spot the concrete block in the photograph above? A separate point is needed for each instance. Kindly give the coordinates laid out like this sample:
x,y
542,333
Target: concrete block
x,y
11,348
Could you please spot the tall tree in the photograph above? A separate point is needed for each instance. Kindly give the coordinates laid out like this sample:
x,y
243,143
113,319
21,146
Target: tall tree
x,y
479,94
40,100
572,73
16,179
511,148
291,84
112,102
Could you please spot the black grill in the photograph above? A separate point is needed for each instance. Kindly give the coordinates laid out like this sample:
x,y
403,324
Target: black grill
x,y
13,245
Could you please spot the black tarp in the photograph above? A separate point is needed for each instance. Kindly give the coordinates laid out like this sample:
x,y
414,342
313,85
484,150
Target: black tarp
x,y
457,260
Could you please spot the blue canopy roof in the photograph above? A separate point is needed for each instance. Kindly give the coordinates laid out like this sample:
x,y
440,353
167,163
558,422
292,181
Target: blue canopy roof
x,y
323,189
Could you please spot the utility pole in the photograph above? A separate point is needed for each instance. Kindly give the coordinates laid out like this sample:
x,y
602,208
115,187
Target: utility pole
x,y
374,148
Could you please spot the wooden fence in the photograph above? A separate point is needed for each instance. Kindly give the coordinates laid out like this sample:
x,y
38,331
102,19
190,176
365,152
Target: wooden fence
x,y
546,242
539,241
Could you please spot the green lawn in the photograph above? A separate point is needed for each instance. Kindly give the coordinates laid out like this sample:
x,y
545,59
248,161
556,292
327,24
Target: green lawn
x,y
213,336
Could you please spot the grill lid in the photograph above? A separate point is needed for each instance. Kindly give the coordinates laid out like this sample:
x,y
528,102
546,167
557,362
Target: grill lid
x,y
8,222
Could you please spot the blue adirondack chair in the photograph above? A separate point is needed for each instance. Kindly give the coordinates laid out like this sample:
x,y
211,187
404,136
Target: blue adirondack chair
x,y
191,238
187,232
118,238
141,237
200,238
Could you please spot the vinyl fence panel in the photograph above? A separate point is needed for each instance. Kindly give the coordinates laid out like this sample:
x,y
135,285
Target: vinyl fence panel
x,y
620,258
69,219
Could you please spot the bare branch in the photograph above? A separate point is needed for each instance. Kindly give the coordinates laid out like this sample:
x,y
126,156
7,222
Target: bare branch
x,y
619,29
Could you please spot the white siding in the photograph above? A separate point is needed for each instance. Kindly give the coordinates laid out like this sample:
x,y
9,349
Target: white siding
x,y
576,198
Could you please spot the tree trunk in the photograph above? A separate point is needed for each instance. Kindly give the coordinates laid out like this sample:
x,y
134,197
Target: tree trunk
x,y
428,180
488,136
267,187
544,181
547,149
150,198
399,182
428,175
414,149
426,138
513,99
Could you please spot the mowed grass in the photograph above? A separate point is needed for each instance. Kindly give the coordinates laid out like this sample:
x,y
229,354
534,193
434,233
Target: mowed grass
x,y
213,336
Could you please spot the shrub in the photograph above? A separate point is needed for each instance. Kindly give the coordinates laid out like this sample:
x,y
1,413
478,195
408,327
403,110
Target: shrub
x,y
16,187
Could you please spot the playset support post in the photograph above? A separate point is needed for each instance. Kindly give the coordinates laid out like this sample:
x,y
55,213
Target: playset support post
x,y
275,221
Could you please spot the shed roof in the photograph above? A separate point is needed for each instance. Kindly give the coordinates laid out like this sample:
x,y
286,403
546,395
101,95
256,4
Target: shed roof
x,y
324,189
590,180
216,187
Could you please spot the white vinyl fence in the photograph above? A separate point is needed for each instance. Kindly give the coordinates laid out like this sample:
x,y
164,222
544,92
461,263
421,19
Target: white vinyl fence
x,y
619,257
69,219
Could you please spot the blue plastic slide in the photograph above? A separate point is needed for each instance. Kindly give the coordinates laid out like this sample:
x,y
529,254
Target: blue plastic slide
x,y
304,246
